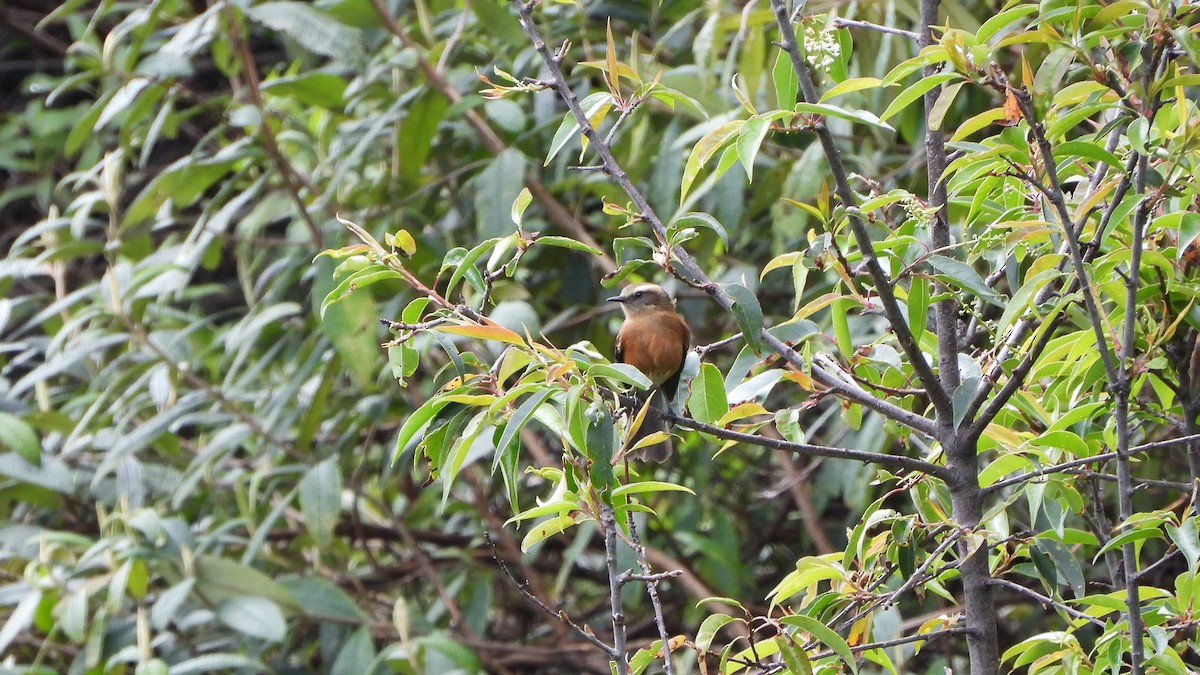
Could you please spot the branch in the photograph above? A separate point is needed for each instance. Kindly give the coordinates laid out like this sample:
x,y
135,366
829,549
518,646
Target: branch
x,y
807,449
1168,443
918,576
1056,468
883,285
608,524
932,635
945,310
1050,602
852,23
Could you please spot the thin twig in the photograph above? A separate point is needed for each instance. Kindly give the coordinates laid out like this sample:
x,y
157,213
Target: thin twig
x,y
523,588
1049,602
806,449
854,23
924,637
651,580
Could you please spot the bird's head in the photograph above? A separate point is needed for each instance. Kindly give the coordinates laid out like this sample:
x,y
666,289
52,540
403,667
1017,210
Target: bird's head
x,y
638,299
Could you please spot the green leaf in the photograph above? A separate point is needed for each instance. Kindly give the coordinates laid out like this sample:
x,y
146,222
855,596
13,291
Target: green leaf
x,y
976,123
1001,467
852,84
702,219
495,189
620,372
1189,230
705,148
321,500
217,663
1021,299
1089,150
324,90
553,508
707,402
566,242
964,276
1128,537
748,314
794,658
708,630
361,279
183,183
519,419
350,324
255,616
944,100
918,306
784,78
1002,19
600,442
648,486
750,137
839,315
860,116
522,202
18,436
356,655
825,635
910,94
418,132
313,29
467,263
417,421
592,105
1065,564
218,579
1186,538
547,529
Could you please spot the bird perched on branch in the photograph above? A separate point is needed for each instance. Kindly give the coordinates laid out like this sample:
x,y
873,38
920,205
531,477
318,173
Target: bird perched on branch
x,y
655,340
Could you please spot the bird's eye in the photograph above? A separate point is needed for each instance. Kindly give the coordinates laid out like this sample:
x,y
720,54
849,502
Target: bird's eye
x,y
639,294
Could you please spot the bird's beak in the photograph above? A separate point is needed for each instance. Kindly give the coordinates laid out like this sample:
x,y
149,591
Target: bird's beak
x,y
616,298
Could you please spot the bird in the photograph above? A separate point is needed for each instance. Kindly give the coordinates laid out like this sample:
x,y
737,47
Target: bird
x,y
655,339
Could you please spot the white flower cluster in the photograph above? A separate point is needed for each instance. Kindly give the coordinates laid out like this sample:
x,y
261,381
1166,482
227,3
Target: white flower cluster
x,y
916,210
822,47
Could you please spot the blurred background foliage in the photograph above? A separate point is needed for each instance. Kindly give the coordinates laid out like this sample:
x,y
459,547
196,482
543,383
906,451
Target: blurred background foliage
x,y
196,472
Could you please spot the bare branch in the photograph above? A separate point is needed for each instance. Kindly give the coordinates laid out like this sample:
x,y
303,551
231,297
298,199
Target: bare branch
x,y
852,23
806,449
523,588
1049,602
651,580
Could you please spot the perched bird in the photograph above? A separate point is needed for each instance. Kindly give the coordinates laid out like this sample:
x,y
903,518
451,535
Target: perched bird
x,y
655,340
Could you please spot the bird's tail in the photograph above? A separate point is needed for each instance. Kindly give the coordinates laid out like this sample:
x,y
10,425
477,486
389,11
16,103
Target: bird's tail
x,y
651,424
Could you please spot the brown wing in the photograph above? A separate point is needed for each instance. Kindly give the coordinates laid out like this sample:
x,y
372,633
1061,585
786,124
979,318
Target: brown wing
x,y
684,338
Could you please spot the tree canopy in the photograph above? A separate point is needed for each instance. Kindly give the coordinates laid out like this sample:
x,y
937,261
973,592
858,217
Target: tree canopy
x,y
307,367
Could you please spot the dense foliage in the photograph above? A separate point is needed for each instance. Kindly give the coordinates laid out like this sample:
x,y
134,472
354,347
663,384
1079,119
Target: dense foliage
x,y
941,285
